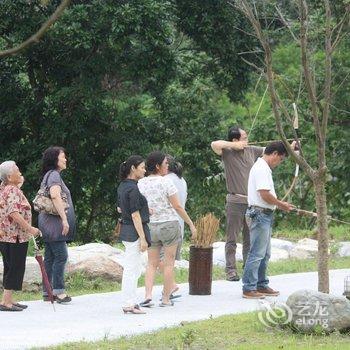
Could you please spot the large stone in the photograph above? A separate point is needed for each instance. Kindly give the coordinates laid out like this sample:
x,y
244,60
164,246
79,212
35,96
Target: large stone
x,y
306,248
219,253
80,253
282,244
278,254
98,265
310,309
344,249
32,276
181,264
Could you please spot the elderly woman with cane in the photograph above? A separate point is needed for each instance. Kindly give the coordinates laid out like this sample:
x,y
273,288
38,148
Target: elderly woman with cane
x,y
15,231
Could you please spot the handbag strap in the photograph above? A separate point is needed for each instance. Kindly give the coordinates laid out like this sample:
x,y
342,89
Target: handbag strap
x,y
47,179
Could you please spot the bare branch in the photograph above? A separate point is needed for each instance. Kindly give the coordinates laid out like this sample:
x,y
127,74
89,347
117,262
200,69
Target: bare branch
x,y
340,110
259,69
340,27
284,21
39,34
253,52
276,102
243,31
309,77
300,90
328,72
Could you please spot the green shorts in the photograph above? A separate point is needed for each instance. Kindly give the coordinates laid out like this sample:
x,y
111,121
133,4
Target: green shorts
x,y
165,233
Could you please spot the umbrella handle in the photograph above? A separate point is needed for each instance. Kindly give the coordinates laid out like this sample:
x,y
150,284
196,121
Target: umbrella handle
x,y
35,244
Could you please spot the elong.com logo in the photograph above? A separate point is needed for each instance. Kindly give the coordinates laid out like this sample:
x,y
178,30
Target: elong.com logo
x,y
274,314
307,314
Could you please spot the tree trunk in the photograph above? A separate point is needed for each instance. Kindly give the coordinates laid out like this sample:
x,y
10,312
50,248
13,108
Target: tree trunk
x,y
322,230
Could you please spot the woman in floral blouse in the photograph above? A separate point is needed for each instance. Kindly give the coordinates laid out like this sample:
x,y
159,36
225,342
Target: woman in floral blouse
x,y
15,231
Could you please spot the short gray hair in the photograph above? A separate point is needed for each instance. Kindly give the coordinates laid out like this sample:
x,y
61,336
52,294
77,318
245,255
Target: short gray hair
x,y
6,168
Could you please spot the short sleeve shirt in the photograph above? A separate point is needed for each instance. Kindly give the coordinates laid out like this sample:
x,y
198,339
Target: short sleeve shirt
x,y
51,225
13,200
237,164
260,178
131,200
157,190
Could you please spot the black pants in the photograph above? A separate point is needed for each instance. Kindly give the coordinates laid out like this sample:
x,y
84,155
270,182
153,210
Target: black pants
x,y
14,258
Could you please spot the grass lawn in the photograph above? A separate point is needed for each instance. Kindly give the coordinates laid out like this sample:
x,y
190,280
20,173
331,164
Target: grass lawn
x,y
242,331
336,233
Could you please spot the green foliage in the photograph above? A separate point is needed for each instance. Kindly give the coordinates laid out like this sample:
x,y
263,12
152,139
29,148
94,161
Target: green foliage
x,y
214,27
115,78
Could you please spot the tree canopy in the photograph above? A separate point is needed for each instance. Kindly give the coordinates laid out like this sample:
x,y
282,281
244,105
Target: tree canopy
x,y
114,78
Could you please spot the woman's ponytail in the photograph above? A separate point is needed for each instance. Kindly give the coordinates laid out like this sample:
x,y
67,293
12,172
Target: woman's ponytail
x,y
125,167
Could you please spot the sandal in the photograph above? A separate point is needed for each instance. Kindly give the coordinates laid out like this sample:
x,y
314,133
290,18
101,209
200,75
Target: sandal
x,y
171,303
172,296
22,306
66,299
10,308
147,303
133,310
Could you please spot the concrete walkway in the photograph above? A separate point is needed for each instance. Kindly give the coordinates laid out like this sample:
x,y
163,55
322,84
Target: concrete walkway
x,y
99,316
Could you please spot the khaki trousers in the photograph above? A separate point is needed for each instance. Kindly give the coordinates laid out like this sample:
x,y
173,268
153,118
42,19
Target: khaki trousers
x,y
235,223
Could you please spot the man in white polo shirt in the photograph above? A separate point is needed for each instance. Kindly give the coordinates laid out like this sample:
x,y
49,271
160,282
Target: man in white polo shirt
x,y
262,202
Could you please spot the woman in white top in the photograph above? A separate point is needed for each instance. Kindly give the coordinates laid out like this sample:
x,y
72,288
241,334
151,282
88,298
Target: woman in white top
x,y
164,203
175,175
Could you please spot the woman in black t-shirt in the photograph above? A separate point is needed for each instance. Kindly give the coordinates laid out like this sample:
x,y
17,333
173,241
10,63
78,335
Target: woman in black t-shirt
x,y
134,231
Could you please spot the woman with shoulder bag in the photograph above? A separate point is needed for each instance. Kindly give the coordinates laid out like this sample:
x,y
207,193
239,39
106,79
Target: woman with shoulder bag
x,y
134,231
58,229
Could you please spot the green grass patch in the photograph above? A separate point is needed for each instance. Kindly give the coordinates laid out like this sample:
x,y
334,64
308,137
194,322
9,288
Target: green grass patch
x,y
336,233
243,332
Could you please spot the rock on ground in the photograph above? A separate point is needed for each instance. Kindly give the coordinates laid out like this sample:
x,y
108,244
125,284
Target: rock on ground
x,y
98,265
219,253
306,248
344,249
278,254
311,309
282,244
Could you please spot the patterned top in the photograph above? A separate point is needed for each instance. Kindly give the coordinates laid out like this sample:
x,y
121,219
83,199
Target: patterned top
x,y
157,190
13,200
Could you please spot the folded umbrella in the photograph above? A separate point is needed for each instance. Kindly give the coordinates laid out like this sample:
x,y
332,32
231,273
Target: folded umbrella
x,y
46,282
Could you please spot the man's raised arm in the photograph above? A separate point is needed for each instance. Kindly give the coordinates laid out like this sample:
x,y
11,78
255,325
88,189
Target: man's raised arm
x,y
218,146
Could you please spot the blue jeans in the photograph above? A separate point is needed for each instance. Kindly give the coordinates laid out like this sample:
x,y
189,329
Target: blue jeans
x,y
56,256
260,225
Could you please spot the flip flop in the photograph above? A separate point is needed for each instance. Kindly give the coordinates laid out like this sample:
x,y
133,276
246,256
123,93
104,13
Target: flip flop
x,y
12,308
173,296
133,310
22,306
166,304
146,303
64,300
